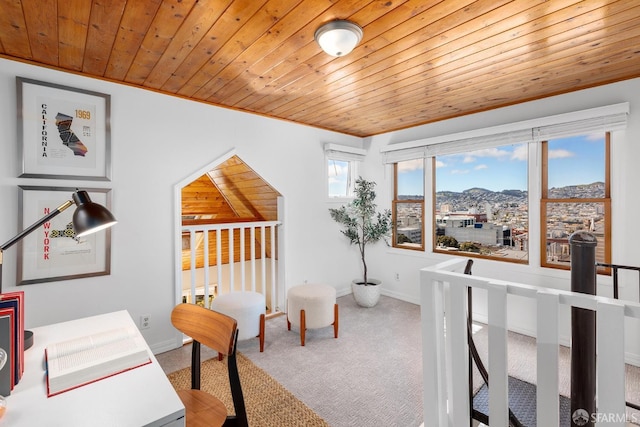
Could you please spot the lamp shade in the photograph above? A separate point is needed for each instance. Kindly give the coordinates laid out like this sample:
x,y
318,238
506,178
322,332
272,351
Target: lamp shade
x,y
89,217
339,37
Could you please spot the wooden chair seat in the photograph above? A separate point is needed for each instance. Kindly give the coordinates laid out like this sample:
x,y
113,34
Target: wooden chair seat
x,y
202,409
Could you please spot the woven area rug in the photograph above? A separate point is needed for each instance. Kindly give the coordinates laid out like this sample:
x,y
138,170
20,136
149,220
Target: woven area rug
x,y
268,403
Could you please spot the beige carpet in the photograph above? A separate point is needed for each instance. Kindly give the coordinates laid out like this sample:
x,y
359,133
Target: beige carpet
x,y
268,403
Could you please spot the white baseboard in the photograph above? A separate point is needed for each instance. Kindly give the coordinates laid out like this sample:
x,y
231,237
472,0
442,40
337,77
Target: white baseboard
x,y
342,292
164,346
397,295
401,297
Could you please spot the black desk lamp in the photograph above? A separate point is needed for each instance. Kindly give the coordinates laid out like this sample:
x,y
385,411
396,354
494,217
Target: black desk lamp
x,y
88,218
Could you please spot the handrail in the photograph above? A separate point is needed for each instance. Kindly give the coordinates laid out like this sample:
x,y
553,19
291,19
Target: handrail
x,y
475,355
247,260
615,268
445,355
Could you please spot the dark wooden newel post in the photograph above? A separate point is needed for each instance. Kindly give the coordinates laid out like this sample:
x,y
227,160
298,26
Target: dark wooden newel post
x,y
583,329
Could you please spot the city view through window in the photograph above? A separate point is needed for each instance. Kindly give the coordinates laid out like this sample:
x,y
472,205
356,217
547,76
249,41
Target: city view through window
x,y
481,200
576,196
408,206
481,203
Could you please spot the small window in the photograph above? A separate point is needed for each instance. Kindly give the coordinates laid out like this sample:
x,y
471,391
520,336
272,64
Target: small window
x,y
408,205
341,164
340,178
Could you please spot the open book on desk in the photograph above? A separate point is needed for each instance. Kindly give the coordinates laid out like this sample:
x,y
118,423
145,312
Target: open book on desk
x,y
84,360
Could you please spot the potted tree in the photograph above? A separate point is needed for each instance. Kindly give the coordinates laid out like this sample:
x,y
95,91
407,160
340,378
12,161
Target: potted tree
x,y
363,225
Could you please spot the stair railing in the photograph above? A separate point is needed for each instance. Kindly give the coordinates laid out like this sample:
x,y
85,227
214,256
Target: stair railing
x,y
252,269
615,268
446,397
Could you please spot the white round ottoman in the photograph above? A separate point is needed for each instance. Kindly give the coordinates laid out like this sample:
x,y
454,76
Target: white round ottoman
x,y
248,308
312,306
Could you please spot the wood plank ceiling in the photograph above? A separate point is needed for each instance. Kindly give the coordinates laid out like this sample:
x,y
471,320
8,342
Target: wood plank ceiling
x,y
419,61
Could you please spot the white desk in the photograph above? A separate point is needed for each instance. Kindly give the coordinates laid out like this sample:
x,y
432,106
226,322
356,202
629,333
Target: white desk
x,y
140,397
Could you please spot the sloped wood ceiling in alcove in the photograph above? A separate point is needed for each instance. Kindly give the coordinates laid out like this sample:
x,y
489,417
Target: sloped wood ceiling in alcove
x,y
232,192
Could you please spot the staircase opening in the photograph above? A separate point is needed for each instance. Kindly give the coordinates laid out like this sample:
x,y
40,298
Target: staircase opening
x,y
228,230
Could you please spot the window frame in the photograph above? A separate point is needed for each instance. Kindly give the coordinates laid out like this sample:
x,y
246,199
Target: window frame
x,y
545,200
394,209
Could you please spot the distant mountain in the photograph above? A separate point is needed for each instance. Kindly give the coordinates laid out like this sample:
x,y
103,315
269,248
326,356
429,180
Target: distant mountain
x,y
476,195
595,189
476,190
514,193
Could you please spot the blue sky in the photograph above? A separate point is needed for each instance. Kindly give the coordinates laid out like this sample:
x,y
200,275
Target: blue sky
x,y
575,160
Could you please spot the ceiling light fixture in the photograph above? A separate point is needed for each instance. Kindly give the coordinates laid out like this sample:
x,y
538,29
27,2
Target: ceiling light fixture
x,y
339,37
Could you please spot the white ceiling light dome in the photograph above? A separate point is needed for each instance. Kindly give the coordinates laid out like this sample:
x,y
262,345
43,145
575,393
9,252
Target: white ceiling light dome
x,y
339,37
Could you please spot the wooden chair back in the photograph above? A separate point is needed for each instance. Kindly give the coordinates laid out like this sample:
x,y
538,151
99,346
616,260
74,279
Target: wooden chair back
x,y
218,332
211,328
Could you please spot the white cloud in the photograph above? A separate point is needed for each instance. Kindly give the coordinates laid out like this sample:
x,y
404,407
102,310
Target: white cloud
x,y
468,159
440,164
560,154
520,153
481,167
595,137
459,171
410,165
337,169
491,152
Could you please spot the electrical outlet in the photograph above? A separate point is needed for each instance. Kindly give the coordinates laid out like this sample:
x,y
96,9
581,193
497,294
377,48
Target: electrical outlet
x,y
145,321
397,277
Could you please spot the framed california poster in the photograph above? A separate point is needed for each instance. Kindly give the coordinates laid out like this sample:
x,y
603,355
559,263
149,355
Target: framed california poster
x,y
53,252
63,132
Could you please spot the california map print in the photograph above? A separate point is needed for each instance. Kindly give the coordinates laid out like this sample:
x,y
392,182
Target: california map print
x,y
63,132
67,135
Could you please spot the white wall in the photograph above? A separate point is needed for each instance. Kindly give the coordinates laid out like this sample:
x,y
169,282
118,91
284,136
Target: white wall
x,y
157,141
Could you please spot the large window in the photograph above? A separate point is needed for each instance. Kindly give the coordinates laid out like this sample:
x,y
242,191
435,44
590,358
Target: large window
x,y
481,203
484,182
575,196
408,204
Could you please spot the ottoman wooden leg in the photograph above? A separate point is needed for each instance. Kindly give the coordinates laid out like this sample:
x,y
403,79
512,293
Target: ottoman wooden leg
x,y
335,321
288,323
261,336
303,327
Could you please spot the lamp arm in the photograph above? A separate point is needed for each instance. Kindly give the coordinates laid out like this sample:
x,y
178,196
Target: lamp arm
x,y
33,226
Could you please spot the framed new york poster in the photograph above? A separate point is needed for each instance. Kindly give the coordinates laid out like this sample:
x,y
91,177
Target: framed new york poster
x,y
63,132
53,252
